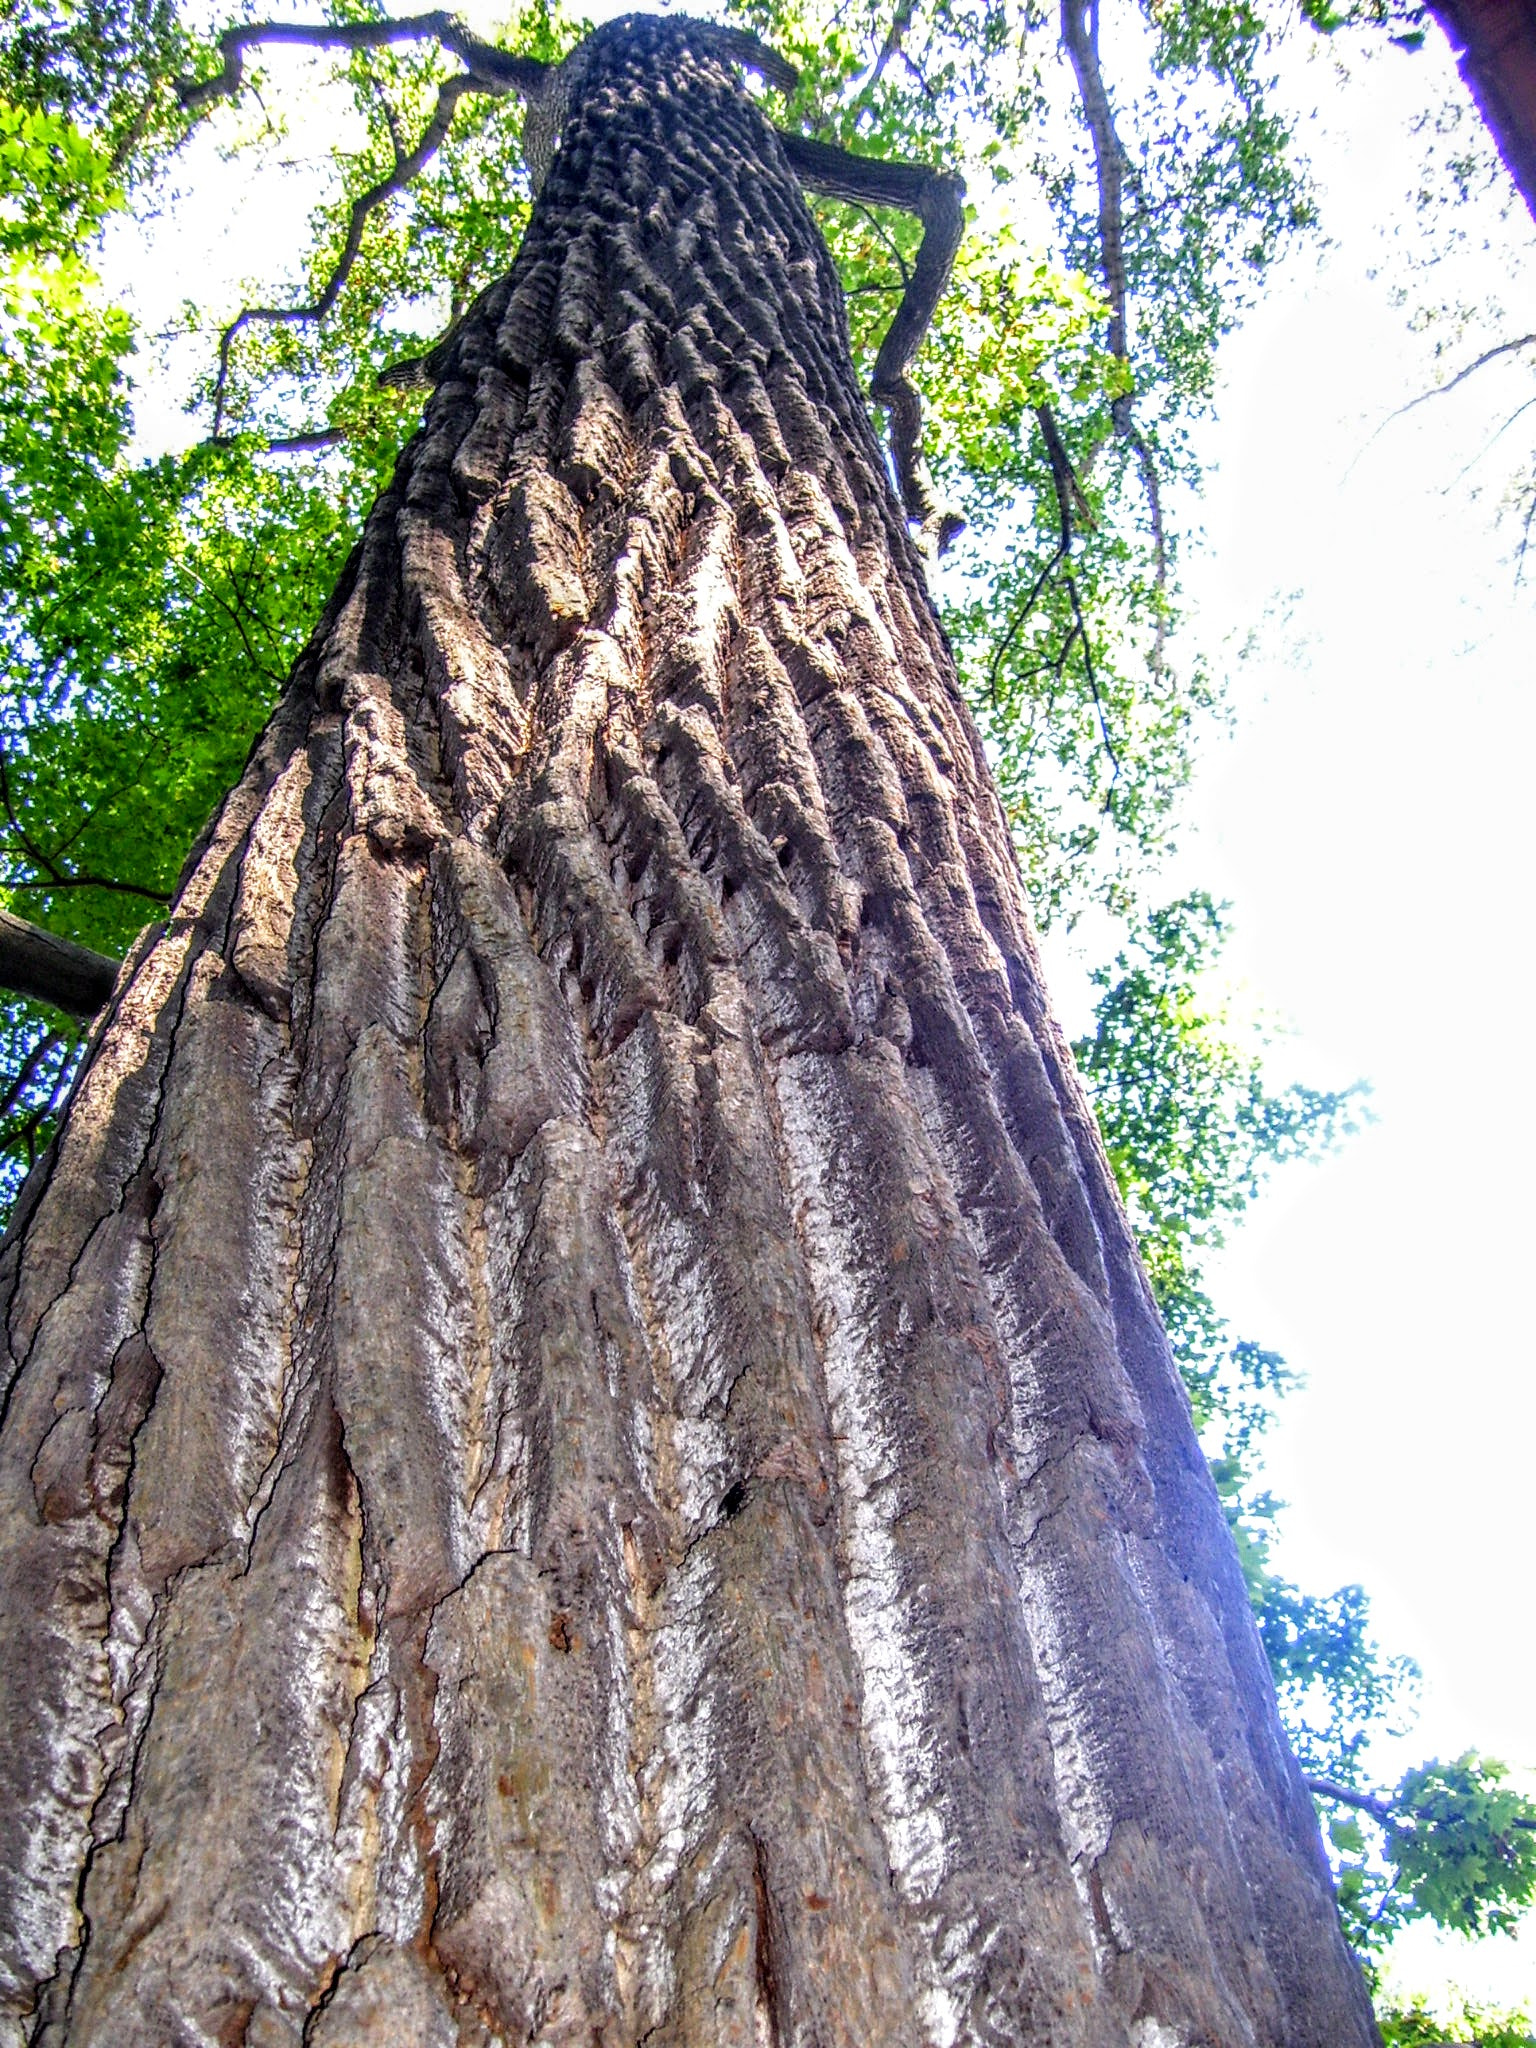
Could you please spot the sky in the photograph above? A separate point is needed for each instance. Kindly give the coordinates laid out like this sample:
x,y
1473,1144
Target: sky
x,y
1368,817
1370,820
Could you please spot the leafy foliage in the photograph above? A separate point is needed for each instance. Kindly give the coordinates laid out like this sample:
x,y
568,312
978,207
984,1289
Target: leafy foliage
x,y
1464,1842
1469,2026
102,65
1451,1843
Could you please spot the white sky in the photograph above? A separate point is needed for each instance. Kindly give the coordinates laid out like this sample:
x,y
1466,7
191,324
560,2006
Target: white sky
x,y
1369,821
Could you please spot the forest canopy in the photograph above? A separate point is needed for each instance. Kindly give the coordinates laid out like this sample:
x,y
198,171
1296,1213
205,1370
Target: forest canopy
x,y
1132,183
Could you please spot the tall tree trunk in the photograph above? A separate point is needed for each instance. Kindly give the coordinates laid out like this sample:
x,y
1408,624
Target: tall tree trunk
x,y
589,1456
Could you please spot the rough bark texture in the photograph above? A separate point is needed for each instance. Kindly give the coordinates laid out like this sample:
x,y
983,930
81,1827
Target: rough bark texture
x,y
588,1457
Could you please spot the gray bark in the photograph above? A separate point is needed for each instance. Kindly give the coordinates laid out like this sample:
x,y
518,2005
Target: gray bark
x,y
588,1456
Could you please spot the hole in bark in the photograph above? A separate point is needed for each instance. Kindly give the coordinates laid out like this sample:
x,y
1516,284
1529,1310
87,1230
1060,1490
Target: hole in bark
x,y
732,1501
786,854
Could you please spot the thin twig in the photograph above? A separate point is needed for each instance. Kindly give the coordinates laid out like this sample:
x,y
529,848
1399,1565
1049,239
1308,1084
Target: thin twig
x,y
29,1066
1150,485
889,240
1489,355
1093,686
285,444
1525,537
405,169
1493,439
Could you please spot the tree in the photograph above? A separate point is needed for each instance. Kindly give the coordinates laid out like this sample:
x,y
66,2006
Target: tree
x,y
590,1455
1495,45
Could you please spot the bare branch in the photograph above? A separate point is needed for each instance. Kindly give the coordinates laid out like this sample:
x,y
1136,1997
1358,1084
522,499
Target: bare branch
x,y
49,883
1021,615
1329,1788
1079,32
53,876
496,70
285,444
26,1073
1525,538
1093,684
901,21
488,69
40,964
938,199
889,240
406,168
1489,355
1154,494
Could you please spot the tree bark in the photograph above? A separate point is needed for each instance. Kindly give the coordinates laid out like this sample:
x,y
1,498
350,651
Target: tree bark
x,y
589,1458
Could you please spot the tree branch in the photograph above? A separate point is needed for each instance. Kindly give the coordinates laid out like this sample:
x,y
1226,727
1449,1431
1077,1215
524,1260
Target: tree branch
x,y
26,1073
1021,615
1329,1788
1072,506
938,199
40,964
53,876
285,444
901,21
1489,355
496,70
1079,32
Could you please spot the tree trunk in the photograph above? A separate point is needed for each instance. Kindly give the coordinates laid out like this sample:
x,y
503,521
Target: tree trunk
x,y
590,1459
1494,42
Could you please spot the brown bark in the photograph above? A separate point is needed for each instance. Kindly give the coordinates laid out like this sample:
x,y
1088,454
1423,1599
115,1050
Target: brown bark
x,y
589,1457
